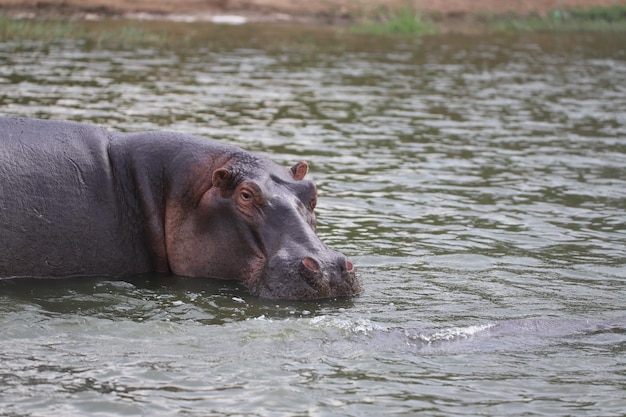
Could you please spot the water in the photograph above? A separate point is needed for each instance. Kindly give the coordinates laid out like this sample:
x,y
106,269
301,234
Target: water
x,y
477,182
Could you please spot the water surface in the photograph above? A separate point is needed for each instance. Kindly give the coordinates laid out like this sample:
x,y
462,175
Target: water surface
x,y
477,182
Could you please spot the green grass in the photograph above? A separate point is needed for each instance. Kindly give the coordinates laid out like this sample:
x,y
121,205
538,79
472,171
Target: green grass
x,y
382,22
609,18
101,33
608,14
405,22
12,29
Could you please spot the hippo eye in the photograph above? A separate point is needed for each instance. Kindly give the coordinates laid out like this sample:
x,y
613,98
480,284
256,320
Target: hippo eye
x,y
249,195
245,195
313,203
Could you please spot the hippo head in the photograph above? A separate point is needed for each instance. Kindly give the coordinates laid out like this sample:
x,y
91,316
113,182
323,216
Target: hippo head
x,y
255,222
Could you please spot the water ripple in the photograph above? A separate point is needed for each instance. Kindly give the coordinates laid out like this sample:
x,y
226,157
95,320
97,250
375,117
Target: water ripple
x,y
472,180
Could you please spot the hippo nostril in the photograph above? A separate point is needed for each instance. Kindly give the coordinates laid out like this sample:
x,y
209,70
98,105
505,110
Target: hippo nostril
x,y
311,264
349,265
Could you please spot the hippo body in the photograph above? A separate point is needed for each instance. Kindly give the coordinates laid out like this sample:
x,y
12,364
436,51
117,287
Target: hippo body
x,y
79,200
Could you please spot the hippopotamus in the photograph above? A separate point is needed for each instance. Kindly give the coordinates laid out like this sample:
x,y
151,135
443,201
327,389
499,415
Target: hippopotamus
x,y
79,200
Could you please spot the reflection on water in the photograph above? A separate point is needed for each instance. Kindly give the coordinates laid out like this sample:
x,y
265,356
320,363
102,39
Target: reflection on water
x,y
473,180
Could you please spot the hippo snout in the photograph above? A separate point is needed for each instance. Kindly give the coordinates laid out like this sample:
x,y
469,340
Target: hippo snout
x,y
330,279
323,275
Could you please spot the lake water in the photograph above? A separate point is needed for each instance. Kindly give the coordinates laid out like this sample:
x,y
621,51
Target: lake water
x,y
478,183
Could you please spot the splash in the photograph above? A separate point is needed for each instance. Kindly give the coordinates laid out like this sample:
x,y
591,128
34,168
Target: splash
x,y
358,326
444,335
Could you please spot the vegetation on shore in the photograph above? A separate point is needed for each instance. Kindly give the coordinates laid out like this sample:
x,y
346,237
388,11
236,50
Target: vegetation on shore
x,y
609,18
404,21
104,32
384,22
409,22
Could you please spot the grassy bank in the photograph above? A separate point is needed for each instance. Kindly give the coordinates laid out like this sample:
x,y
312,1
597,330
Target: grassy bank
x,y
116,33
99,33
384,22
404,22
611,18
409,22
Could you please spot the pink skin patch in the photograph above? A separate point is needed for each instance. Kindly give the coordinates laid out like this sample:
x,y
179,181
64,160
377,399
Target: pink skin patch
x,y
311,264
349,266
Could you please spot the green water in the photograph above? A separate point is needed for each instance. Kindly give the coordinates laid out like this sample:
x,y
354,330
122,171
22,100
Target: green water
x,y
477,182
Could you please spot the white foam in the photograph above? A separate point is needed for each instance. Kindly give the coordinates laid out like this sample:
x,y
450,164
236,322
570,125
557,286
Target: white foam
x,y
450,334
359,326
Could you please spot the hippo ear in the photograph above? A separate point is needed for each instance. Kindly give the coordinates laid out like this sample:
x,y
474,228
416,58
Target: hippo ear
x,y
221,177
299,170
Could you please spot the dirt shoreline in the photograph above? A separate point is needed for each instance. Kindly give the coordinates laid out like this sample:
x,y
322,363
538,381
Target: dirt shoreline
x,y
320,11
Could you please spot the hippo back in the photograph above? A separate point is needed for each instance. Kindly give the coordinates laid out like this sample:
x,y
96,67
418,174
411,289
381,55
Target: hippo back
x,y
57,186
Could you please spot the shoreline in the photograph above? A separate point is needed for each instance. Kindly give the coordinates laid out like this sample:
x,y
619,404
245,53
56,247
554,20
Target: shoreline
x,y
32,18
335,12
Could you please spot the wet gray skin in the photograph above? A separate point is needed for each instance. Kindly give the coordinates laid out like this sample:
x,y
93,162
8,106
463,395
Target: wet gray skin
x,y
78,200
